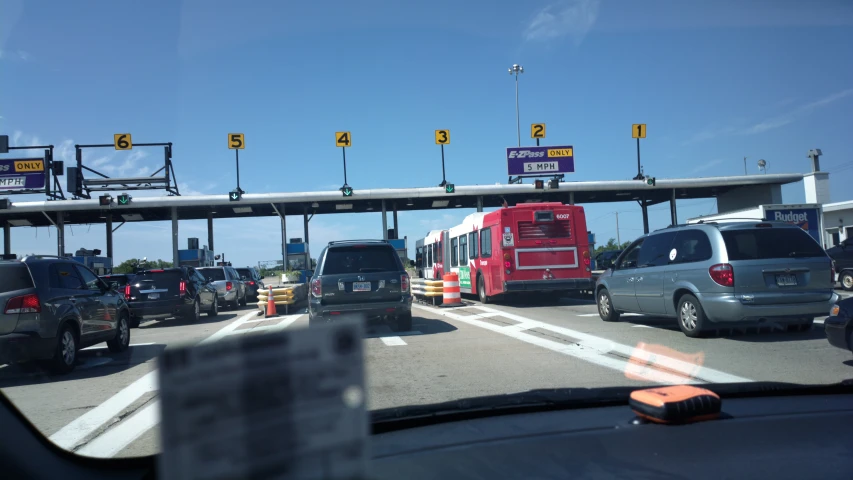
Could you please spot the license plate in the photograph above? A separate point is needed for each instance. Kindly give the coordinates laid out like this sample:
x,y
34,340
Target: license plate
x,y
786,280
361,286
153,296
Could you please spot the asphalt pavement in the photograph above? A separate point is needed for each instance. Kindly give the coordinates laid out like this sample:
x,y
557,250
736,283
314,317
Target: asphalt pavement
x,y
109,405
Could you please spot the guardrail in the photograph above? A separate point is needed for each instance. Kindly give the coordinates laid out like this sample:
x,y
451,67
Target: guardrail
x,y
428,291
282,296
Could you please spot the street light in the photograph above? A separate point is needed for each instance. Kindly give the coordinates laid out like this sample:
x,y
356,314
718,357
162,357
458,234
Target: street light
x,y
516,69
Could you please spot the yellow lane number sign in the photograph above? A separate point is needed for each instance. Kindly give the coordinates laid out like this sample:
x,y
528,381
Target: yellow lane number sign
x,y
442,137
343,139
236,140
638,130
537,130
122,141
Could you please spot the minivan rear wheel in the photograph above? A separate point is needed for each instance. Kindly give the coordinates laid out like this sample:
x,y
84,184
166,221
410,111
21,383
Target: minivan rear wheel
x,y
846,281
691,316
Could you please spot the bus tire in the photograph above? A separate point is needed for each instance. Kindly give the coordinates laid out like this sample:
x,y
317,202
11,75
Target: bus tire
x,y
481,290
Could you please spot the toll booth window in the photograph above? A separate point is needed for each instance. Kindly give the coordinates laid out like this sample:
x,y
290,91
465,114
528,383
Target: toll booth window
x,y
486,242
297,263
472,239
454,252
463,250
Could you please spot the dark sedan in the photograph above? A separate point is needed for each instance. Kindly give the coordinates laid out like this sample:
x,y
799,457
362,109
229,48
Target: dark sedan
x,y
839,325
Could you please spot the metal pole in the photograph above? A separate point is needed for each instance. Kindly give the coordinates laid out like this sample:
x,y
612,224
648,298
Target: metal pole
x,y
618,238
537,142
744,166
396,229
673,213
639,168
237,156
480,203
175,238
571,198
305,223
7,237
645,209
283,238
110,236
517,121
344,150
384,221
60,234
210,231
443,177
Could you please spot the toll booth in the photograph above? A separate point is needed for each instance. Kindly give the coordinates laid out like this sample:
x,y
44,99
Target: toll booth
x,y
590,237
194,256
401,246
299,259
92,259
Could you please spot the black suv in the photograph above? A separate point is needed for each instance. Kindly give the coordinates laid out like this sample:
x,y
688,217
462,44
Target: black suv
x,y
253,281
363,277
52,307
170,292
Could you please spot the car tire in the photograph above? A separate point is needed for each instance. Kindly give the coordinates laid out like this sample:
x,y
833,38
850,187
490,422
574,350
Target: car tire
x,y
65,354
846,281
121,341
605,306
691,316
214,310
403,323
481,290
194,314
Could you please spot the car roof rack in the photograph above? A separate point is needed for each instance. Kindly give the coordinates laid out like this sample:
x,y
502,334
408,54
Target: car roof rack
x,y
372,240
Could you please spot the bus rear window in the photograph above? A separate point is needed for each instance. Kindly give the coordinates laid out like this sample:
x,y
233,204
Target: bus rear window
x,y
545,230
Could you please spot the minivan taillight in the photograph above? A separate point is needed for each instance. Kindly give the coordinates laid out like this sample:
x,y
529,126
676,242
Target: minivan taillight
x,y
404,283
127,292
316,288
23,304
229,286
182,288
723,274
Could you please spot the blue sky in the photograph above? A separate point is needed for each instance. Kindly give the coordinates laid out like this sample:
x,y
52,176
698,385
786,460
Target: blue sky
x,y
714,82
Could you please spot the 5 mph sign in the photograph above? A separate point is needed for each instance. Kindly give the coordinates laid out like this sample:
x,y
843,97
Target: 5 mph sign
x,y
540,161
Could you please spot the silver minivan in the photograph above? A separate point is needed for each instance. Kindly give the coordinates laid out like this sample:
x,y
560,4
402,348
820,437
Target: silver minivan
x,y
716,275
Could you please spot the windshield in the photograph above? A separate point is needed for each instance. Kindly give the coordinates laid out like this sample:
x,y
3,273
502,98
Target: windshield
x,y
505,195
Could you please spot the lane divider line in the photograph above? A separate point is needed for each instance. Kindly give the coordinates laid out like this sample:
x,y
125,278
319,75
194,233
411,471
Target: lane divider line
x,y
69,436
116,439
604,345
96,347
393,341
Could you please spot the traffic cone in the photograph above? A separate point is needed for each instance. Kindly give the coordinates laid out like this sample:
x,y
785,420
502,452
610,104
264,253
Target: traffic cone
x,y
271,304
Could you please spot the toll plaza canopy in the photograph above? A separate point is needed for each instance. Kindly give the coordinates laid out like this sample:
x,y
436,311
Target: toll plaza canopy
x,y
731,193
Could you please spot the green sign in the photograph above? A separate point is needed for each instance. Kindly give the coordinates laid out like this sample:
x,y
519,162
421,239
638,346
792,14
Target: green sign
x,y
464,277
450,188
347,191
123,199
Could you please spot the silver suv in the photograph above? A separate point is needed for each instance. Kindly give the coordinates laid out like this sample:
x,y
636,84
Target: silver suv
x,y
709,274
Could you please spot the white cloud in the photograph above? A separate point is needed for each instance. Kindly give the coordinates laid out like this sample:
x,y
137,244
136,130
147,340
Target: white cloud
x,y
773,122
574,18
24,55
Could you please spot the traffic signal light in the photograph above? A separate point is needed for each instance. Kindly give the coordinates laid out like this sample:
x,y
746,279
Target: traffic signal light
x,y
346,190
235,195
539,184
123,199
449,188
105,200
650,181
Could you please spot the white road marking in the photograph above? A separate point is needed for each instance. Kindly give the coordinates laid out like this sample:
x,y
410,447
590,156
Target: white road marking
x,y
393,341
643,326
599,350
96,347
116,439
596,315
72,434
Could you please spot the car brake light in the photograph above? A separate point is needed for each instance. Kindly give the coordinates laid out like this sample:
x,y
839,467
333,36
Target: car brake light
x,y
127,292
316,288
229,286
250,282
158,271
23,304
182,288
507,264
723,274
404,283
586,257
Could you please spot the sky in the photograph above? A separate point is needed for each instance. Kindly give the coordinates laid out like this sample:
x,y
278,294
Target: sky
x,y
714,82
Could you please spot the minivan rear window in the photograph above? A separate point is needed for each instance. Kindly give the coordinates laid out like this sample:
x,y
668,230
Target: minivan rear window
x,y
770,243
357,259
14,276
214,273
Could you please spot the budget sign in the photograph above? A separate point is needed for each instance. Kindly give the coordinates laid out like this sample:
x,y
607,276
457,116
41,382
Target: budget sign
x,y
806,218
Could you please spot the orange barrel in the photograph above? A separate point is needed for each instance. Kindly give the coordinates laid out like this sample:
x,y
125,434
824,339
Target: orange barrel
x,y
451,289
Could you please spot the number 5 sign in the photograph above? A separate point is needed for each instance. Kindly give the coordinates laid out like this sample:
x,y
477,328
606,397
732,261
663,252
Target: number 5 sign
x,y
236,141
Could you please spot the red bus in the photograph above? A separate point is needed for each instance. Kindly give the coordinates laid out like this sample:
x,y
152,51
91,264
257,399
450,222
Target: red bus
x,y
532,247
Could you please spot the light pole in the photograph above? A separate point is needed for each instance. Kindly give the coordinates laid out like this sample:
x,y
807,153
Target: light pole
x,y
516,69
